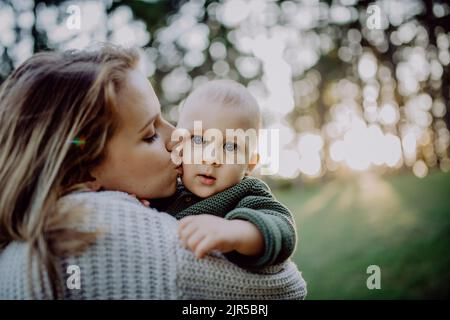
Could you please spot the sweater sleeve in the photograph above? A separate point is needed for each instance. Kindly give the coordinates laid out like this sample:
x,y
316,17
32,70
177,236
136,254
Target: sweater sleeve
x,y
216,278
276,224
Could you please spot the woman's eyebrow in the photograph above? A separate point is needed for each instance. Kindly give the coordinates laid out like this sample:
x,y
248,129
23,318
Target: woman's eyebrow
x,y
148,123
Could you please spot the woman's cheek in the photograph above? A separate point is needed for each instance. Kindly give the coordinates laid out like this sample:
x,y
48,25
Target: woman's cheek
x,y
159,161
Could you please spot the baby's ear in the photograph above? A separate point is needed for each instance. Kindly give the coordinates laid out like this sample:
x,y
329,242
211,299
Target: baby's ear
x,y
254,159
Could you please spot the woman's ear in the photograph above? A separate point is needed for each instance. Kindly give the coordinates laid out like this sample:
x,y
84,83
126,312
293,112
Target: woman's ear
x,y
93,182
94,185
254,159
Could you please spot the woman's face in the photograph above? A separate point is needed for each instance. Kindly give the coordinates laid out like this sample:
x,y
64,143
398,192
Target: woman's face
x,y
138,155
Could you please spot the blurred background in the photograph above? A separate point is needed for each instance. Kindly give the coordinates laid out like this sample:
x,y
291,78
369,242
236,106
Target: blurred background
x,y
359,91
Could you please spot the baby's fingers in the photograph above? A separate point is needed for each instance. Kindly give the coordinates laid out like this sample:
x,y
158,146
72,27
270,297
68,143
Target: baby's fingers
x,y
187,231
193,240
146,203
186,221
205,246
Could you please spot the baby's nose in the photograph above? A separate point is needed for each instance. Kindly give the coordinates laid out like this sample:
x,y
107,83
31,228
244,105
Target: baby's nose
x,y
211,157
211,162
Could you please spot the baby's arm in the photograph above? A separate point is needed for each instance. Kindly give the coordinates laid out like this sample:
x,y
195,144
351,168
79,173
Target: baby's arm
x,y
274,222
250,241
259,208
272,219
204,233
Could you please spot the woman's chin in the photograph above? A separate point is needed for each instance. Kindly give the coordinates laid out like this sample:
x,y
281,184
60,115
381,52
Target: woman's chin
x,y
165,192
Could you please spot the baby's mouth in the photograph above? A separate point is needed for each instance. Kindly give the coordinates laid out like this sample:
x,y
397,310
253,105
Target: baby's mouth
x,y
206,179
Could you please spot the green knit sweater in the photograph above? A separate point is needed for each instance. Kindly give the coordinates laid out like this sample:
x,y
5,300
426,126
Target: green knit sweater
x,y
249,200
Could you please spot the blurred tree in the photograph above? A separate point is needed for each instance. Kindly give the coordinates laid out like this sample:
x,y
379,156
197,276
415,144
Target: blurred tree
x,y
364,98
34,20
361,85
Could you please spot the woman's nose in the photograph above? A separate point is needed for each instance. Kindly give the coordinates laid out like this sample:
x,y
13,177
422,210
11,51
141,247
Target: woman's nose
x,y
170,145
167,132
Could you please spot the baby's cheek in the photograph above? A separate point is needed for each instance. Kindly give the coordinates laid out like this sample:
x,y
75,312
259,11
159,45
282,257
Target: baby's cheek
x,y
188,175
234,172
189,170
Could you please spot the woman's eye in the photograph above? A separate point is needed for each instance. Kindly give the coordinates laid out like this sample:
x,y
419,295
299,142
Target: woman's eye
x,y
197,139
230,146
151,139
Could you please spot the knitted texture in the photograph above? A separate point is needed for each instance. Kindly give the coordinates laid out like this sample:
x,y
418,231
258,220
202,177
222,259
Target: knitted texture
x,y
139,256
249,200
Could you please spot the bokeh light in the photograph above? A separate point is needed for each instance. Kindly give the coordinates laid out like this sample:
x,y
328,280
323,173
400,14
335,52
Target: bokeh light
x,y
343,95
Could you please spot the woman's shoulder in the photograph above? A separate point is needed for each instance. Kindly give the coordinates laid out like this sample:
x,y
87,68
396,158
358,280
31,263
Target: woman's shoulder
x,y
112,205
95,198
135,244
120,217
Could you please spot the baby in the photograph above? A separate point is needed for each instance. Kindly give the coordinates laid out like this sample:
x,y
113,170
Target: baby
x,y
220,206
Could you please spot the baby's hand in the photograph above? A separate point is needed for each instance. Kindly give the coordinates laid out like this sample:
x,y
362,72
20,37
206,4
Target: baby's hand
x,y
146,203
206,232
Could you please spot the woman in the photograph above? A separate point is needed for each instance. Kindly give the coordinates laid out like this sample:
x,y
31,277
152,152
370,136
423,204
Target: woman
x,y
79,132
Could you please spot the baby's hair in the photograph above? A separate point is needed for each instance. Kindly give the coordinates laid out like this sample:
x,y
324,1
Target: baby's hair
x,y
228,93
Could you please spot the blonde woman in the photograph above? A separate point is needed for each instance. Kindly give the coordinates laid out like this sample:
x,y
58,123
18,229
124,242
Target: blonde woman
x,y
79,132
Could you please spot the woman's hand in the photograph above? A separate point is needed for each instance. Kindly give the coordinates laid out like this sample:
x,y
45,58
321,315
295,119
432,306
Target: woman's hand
x,y
204,233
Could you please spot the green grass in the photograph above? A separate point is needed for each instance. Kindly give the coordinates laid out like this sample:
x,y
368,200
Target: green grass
x,y
400,223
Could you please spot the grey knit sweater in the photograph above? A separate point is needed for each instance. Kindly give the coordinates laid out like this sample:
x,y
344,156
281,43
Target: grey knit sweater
x,y
139,256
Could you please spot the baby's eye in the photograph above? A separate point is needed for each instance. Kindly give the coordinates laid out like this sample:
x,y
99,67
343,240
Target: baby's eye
x,y
197,139
230,146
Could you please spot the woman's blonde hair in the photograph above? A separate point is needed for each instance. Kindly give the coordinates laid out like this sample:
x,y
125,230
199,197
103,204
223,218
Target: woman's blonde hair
x,y
57,113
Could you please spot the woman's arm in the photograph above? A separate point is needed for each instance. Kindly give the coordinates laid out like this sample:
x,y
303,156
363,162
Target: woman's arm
x,y
214,277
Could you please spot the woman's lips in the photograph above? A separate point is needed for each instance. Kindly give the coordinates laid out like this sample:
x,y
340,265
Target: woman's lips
x,y
207,180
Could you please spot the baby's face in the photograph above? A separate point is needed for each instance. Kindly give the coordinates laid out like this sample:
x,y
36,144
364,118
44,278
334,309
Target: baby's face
x,y
213,175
